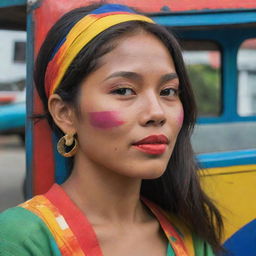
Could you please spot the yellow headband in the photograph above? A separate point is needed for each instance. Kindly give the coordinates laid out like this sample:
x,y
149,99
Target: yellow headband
x,y
80,35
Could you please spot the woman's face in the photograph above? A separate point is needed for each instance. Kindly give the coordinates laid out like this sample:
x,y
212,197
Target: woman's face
x,y
133,95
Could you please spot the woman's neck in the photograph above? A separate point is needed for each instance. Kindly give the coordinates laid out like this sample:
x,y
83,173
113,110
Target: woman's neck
x,y
103,195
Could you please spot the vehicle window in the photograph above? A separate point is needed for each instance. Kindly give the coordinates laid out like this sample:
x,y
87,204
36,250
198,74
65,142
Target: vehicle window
x,y
19,52
246,65
203,61
12,56
8,87
224,137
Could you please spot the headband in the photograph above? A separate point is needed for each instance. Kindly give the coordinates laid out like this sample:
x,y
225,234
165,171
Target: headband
x,y
80,34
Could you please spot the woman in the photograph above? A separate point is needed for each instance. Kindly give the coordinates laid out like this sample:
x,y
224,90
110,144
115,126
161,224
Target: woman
x,y
115,91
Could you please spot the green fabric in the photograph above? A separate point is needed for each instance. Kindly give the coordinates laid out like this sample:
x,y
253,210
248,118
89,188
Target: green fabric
x,y
201,247
22,233
170,251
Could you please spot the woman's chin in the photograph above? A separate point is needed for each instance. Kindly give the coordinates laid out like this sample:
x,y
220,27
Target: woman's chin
x,y
153,175
148,173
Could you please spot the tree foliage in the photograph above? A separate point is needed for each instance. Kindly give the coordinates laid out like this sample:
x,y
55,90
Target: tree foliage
x,y
206,85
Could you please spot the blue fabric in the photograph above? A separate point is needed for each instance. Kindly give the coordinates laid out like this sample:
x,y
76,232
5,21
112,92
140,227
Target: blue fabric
x,y
103,9
55,50
112,8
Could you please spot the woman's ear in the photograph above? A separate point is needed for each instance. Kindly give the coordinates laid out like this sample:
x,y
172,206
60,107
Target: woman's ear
x,y
63,114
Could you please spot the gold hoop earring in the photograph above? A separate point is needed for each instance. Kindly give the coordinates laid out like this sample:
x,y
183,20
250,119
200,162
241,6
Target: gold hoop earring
x,y
67,140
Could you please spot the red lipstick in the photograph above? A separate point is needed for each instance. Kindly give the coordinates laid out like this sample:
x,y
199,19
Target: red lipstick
x,y
154,144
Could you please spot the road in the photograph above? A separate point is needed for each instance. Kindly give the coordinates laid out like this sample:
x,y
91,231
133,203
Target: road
x,y
12,171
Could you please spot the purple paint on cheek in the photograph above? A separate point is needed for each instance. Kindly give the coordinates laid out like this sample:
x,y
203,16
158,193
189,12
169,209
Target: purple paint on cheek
x,y
105,119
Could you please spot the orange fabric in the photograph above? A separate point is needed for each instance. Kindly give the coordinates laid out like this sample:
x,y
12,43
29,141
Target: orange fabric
x,y
74,234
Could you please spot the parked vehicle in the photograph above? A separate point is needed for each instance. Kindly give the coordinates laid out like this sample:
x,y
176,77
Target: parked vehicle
x,y
9,91
13,116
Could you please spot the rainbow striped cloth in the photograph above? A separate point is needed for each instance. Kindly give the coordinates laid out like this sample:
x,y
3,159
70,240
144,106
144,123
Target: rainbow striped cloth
x,y
80,34
51,224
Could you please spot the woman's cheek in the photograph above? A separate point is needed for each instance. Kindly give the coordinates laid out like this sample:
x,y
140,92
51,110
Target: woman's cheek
x,y
105,119
180,117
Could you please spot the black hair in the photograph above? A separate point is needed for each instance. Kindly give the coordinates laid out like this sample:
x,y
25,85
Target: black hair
x,y
178,190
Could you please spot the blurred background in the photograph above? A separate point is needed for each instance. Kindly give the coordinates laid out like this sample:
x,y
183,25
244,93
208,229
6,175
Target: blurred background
x,y
12,116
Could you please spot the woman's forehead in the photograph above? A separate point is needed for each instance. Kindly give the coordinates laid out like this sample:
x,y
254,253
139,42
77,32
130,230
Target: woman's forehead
x,y
138,58
134,49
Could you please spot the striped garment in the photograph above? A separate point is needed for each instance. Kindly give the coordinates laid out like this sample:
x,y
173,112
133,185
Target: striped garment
x,y
51,224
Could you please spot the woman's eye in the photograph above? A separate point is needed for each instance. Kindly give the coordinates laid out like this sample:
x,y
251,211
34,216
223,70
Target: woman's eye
x,y
123,91
169,92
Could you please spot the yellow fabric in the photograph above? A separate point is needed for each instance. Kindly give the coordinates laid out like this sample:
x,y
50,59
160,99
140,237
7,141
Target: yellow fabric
x,y
60,230
82,33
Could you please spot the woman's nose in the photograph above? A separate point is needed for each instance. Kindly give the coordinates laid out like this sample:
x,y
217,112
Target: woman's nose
x,y
153,114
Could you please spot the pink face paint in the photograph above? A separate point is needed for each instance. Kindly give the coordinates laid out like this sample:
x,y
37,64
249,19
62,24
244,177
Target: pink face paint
x,y
180,118
105,119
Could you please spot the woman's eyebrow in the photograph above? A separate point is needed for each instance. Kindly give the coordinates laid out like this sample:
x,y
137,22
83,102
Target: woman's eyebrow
x,y
168,77
137,77
126,74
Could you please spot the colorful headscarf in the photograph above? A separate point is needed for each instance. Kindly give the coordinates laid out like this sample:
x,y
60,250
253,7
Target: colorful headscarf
x,y
80,34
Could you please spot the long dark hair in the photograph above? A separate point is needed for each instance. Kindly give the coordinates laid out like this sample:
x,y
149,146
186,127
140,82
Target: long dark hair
x,y
178,190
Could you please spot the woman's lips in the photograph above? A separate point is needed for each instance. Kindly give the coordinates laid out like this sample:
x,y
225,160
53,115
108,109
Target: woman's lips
x,y
154,144
153,149
153,139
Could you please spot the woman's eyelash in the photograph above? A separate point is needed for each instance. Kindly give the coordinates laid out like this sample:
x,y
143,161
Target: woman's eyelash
x,y
165,92
128,91
123,91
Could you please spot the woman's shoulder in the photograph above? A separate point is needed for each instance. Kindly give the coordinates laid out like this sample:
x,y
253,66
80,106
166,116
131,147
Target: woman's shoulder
x,y
24,233
19,220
